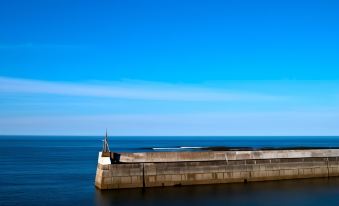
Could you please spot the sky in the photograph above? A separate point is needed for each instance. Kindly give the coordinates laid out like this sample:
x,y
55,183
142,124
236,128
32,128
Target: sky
x,y
162,68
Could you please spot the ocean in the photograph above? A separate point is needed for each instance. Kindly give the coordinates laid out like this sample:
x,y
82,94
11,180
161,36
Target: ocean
x,y
60,170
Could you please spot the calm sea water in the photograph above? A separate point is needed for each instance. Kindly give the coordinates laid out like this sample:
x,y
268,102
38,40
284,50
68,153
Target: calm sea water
x,y
41,170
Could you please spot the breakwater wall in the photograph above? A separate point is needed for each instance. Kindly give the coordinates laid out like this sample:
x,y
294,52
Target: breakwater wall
x,y
156,169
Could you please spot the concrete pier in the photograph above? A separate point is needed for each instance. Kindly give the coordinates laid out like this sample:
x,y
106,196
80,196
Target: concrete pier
x,y
157,169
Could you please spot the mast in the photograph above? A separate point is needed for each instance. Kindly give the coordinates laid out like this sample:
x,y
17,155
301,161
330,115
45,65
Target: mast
x,y
105,146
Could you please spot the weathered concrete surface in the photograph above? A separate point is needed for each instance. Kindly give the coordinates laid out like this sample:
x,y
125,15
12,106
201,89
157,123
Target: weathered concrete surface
x,y
212,169
224,155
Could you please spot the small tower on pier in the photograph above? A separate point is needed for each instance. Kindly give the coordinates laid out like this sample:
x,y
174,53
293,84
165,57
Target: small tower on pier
x,y
105,146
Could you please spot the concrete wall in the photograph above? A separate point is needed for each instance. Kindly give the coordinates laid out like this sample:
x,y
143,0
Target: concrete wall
x,y
153,174
223,155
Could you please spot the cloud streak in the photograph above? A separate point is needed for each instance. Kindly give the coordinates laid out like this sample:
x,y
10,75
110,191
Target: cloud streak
x,y
130,90
38,46
234,124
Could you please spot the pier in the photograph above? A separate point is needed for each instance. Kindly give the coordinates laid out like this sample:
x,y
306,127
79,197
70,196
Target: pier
x,y
159,169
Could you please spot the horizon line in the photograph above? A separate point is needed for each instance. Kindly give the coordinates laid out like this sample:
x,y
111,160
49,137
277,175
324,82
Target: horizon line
x,y
65,135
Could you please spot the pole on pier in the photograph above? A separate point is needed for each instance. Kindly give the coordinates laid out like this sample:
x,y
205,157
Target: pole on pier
x,y
105,146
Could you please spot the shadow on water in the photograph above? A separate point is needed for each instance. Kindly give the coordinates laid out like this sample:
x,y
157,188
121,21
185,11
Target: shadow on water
x,y
320,191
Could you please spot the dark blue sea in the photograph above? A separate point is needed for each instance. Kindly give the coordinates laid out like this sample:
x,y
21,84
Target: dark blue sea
x,y
60,170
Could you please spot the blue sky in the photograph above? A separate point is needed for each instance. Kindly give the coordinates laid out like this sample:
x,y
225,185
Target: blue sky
x,y
169,67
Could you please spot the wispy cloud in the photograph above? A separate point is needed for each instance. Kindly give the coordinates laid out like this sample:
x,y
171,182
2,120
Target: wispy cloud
x,y
38,46
233,124
131,90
